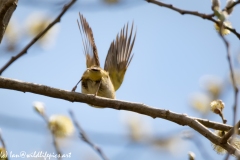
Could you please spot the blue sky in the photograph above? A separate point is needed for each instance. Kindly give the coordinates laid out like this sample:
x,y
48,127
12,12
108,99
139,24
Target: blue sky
x,y
171,53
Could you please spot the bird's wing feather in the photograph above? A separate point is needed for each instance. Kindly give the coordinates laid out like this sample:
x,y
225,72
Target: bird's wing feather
x,y
119,56
90,49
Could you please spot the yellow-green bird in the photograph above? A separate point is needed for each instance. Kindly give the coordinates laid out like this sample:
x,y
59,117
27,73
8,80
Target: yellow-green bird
x,y
104,82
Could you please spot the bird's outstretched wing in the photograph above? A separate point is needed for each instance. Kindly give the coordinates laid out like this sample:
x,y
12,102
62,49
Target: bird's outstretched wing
x,y
90,49
119,56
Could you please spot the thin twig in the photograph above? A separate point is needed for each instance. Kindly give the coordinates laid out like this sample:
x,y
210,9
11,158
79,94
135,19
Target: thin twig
x,y
3,154
2,141
198,143
181,11
86,139
232,76
7,7
227,157
202,149
181,119
230,133
14,58
214,125
194,13
59,153
45,117
231,6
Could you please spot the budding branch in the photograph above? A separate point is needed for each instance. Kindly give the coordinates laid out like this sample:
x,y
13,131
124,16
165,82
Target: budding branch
x,y
200,125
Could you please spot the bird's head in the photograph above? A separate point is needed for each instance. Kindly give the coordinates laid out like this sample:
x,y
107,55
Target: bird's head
x,y
94,73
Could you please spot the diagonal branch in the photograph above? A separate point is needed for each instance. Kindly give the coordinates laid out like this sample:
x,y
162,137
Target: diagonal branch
x,y
194,13
55,144
2,141
214,125
231,6
7,7
230,133
189,135
85,137
233,130
234,83
181,11
14,58
181,119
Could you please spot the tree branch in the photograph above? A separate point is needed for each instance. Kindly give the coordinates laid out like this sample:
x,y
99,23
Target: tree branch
x,y
234,83
85,137
181,11
55,144
214,125
7,7
14,58
230,133
181,119
194,13
198,143
234,4
2,141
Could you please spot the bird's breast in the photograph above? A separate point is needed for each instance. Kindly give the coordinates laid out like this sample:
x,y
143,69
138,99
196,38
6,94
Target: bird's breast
x,y
105,89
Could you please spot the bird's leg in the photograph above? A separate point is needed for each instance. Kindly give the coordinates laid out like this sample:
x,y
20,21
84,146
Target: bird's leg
x,y
98,88
75,87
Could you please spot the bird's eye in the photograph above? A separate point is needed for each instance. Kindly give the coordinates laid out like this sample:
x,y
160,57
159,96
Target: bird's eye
x,y
95,69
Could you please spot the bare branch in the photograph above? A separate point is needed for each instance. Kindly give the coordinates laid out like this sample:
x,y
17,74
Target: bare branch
x,y
14,58
230,133
181,11
198,143
232,76
7,7
56,146
2,141
214,125
85,137
225,138
231,6
194,13
59,153
227,157
181,119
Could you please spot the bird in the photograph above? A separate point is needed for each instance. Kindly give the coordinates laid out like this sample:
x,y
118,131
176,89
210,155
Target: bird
x,y
104,82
